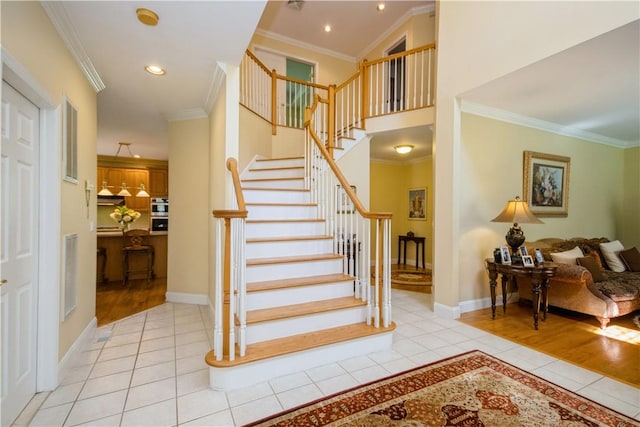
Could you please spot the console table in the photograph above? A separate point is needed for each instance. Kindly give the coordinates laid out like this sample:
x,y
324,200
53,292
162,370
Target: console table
x,y
402,243
539,275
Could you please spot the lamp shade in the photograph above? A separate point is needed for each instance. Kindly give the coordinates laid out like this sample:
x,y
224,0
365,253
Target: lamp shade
x,y
517,211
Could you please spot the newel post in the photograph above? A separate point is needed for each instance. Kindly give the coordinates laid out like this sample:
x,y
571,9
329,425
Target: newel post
x,y
274,102
226,290
331,126
364,94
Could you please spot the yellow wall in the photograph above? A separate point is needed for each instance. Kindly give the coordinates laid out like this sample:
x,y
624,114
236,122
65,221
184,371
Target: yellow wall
x,y
390,183
188,257
469,58
630,227
255,134
419,30
31,39
331,70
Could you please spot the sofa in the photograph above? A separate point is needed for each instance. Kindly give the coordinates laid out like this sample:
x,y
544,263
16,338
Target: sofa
x,y
610,295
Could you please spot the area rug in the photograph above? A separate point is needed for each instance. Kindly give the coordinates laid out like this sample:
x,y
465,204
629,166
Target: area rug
x,y
471,389
419,281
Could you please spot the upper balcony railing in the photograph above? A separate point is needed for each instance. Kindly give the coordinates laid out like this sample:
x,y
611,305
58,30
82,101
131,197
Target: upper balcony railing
x,y
393,84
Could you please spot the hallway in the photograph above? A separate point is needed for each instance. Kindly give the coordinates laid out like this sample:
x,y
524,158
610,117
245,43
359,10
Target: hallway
x,y
149,370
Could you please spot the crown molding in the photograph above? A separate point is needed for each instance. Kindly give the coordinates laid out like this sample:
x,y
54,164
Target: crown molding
x,y
60,20
400,22
217,80
518,119
297,43
189,114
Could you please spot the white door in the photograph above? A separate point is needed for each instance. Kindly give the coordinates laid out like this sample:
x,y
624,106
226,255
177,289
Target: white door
x,y
18,251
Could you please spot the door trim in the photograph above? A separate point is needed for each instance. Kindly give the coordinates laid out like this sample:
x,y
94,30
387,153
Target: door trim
x,y
48,326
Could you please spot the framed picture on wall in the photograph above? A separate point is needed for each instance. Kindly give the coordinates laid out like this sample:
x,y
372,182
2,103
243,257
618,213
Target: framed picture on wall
x,y
70,141
418,204
546,183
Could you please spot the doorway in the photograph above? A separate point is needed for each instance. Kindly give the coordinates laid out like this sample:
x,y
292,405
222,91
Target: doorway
x,y
396,81
19,253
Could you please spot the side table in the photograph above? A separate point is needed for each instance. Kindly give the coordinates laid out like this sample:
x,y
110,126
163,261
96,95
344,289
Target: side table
x,y
539,275
419,241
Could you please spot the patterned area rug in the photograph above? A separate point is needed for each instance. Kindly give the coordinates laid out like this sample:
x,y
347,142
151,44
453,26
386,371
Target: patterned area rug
x,y
471,389
419,281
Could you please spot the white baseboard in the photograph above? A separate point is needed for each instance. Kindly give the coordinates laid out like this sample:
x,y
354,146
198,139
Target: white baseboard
x,y
446,311
478,304
184,298
79,344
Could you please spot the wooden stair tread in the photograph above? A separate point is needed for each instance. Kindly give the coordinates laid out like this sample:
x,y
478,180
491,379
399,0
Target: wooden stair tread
x,y
273,189
296,258
288,311
293,282
273,221
281,346
281,168
271,159
289,238
271,179
283,204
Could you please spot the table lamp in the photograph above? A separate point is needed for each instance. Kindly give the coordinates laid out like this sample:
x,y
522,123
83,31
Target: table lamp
x,y
516,211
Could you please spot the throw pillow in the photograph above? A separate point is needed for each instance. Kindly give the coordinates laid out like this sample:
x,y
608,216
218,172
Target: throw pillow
x,y
590,264
610,252
596,258
631,258
567,257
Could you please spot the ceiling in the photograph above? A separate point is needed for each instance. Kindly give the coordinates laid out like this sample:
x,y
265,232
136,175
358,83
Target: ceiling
x,y
192,37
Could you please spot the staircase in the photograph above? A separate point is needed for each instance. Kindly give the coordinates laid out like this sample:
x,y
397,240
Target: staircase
x,y
301,306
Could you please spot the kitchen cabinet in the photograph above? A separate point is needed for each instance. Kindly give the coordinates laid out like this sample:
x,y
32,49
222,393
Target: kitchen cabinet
x,y
101,177
135,178
158,182
115,178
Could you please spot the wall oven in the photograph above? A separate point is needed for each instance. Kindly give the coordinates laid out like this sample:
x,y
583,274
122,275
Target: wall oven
x,y
159,207
159,214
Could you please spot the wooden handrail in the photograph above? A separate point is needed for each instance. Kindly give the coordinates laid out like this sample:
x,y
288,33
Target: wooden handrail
x,y
241,212
401,54
257,61
349,80
343,181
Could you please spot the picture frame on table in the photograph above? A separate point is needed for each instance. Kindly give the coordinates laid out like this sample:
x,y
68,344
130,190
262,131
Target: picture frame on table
x,y
539,256
418,204
506,256
527,261
546,183
523,251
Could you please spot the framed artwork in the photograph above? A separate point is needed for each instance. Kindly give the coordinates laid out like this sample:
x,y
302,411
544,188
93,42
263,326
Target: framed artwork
x,y
539,256
418,204
546,183
506,256
523,251
527,261
343,203
70,141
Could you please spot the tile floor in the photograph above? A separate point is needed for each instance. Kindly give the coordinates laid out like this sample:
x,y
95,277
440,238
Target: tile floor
x,y
149,370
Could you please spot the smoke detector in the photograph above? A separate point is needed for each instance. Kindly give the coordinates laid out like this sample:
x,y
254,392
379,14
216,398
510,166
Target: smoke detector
x,y
295,4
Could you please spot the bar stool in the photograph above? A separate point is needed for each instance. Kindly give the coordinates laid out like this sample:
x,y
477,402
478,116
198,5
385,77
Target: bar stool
x,y
101,255
136,242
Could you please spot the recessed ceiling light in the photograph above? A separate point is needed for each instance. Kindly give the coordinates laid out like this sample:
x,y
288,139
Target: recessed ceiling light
x,y
403,148
380,7
147,17
327,28
155,70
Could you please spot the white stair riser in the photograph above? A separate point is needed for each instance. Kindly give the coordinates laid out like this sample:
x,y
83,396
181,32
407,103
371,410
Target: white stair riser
x,y
294,183
301,324
298,295
273,173
277,163
288,247
246,374
275,196
283,229
281,212
259,273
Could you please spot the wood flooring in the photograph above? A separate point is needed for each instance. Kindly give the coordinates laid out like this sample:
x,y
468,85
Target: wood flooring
x,y
115,301
572,337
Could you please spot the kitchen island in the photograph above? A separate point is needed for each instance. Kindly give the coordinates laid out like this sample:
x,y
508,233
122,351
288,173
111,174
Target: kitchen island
x,y
112,242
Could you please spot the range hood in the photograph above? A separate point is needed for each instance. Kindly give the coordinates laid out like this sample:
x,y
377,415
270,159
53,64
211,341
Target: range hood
x,y
111,201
